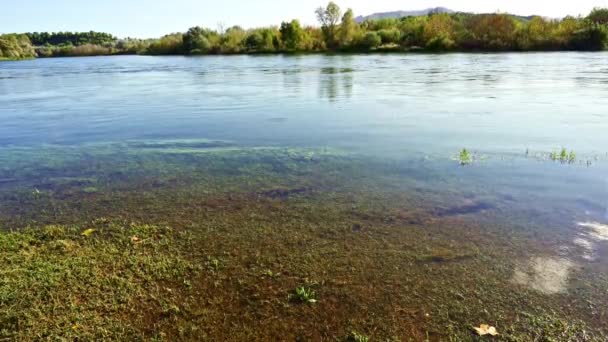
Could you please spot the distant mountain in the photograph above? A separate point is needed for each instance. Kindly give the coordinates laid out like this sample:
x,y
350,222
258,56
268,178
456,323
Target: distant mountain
x,y
401,14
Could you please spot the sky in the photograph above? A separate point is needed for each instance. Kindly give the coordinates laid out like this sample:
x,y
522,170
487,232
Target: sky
x,y
154,18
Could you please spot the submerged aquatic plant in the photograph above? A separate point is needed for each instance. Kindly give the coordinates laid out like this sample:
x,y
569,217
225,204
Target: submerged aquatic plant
x,y
357,337
304,294
571,157
465,157
213,264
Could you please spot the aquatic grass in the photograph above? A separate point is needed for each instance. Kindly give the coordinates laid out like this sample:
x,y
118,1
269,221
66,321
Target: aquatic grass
x,y
563,156
465,157
58,283
303,294
213,264
357,337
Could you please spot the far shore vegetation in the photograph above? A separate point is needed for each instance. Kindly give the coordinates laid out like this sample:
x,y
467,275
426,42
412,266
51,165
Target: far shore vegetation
x,y
338,32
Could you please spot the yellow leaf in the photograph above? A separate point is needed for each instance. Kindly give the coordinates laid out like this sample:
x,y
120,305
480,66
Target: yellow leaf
x,y
485,329
135,239
88,232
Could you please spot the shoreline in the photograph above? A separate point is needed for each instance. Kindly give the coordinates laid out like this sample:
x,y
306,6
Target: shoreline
x,y
325,53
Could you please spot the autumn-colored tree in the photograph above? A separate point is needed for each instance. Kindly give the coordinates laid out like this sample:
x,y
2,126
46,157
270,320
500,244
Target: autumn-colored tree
x,y
538,34
438,32
439,25
492,32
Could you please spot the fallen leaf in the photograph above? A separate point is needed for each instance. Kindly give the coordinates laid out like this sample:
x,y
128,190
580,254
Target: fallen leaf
x,y
88,232
135,239
485,329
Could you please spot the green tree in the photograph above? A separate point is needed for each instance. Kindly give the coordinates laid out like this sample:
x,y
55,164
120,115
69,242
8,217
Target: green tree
x,y
348,28
491,32
262,40
198,41
171,44
292,35
439,26
599,16
371,40
537,34
390,36
16,46
329,18
314,39
566,30
592,38
233,40
412,31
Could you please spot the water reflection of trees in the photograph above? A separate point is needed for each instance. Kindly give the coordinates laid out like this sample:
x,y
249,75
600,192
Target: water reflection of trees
x,y
292,80
336,83
335,78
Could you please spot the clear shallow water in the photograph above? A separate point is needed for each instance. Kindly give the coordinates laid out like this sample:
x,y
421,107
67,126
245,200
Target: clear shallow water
x,y
403,107
408,115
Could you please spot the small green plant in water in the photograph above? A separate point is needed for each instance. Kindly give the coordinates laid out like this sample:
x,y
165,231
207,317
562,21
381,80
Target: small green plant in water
x,y
304,294
356,337
213,264
563,156
571,157
465,157
270,274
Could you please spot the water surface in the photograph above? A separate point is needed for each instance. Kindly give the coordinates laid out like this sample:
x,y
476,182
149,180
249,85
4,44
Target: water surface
x,y
361,147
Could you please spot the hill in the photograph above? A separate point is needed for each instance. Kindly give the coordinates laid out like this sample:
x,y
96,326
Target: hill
x,y
401,14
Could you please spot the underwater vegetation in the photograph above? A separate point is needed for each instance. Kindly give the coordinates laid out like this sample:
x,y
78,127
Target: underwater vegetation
x,y
304,294
68,282
198,240
357,337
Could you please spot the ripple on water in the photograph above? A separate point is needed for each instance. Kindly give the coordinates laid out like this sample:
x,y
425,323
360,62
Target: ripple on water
x,y
587,247
596,231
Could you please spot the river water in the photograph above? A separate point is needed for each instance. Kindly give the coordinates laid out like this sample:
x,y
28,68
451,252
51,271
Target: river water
x,y
72,127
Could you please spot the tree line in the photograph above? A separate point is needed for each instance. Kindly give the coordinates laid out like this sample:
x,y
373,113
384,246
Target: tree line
x,y
338,32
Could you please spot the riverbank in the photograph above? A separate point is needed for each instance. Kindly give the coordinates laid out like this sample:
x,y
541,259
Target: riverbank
x,y
338,33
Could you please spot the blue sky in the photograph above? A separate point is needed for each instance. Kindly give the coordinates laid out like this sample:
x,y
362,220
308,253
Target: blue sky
x,y
153,18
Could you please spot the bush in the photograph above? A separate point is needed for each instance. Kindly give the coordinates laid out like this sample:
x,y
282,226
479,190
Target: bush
x,y
441,43
371,40
391,36
593,38
172,44
16,46
90,50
